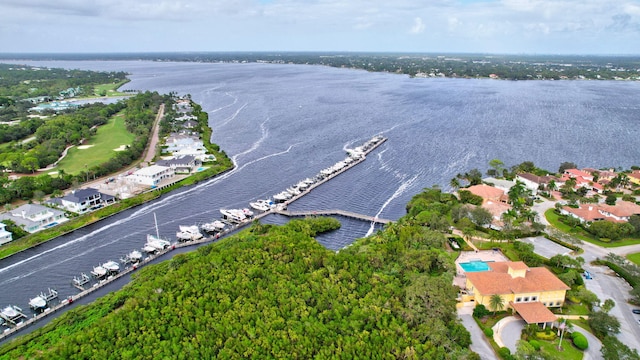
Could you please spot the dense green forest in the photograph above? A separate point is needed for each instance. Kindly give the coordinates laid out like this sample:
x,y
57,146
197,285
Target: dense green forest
x,y
274,292
52,137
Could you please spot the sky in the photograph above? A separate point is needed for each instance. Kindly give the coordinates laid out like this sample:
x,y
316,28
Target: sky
x,y
417,26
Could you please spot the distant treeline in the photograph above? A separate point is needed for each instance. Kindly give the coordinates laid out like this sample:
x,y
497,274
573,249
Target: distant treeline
x,y
515,67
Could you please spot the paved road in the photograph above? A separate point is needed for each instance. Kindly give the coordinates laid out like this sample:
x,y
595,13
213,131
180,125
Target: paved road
x,y
479,343
593,351
606,286
509,330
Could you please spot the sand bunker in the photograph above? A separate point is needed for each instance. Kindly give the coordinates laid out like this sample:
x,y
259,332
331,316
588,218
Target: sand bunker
x,y
82,147
121,148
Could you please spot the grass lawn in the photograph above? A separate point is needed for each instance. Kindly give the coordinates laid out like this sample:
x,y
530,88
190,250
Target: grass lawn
x,y
108,89
554,220
572,308
568,352
635,258
108,137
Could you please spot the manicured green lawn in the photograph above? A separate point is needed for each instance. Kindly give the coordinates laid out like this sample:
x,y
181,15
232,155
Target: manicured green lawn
x,y
568,352
108,137
575,309
635,258
554,220
108,89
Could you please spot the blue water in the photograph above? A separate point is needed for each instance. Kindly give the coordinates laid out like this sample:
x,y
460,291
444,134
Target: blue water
x,y
283,123
475,266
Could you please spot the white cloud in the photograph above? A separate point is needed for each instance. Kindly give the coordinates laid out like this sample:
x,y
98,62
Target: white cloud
x,y
418,26
371,25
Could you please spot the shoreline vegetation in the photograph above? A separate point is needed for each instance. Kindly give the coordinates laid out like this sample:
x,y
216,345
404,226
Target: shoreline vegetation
x,y
222,165
450,65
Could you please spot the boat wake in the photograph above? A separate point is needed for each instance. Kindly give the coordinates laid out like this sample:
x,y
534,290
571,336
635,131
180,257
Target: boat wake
x,y
233,116
399,191
235,101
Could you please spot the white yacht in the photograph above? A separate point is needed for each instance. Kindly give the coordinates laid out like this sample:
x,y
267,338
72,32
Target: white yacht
x,y
133,257
111,266
38,303
234,215
262,204
187,233
213,226
99,271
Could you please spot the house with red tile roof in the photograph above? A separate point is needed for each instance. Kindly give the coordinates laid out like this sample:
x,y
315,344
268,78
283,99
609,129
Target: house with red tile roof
x,y
620,212
488,193
634,177
529,291
494,200
575,173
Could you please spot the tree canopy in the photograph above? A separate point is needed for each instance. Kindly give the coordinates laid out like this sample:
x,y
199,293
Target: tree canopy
x,y
274,292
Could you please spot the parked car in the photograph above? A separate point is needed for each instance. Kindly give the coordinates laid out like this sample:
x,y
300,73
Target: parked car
x,y
636,311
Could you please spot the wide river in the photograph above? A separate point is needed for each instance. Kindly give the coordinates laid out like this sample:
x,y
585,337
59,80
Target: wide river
x,y
283,123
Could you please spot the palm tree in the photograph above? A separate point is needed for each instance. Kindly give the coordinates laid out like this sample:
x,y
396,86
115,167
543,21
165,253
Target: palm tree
x,y
496,303
455,184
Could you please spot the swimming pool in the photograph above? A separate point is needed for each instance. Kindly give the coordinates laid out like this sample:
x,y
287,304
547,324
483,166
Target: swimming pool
x,y
475,266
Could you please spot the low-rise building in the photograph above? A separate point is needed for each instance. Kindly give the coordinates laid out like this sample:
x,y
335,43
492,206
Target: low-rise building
x,y
151,175
528,291
620,212
82,200
185,164
33,217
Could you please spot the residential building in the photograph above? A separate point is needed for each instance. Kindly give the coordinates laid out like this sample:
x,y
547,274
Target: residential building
x,y
83,200
151,175
184,164
575,173
34,217
535,182
5,236
620,212
528,291
488,193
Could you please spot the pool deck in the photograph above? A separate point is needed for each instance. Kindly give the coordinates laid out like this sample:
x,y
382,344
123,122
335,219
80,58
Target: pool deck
x,y
467,256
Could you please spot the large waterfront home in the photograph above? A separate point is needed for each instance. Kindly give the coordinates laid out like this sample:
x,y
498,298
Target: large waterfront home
x,y
151,175
529,291
82,200
34,217
619,212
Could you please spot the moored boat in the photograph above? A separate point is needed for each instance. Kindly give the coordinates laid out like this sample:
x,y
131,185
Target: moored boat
x,y
262,204
12,314
233,215
213,226
156,242
187,233
38,303
99,271
111,266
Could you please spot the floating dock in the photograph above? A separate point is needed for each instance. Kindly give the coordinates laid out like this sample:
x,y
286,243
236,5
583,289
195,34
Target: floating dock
x,y
83,280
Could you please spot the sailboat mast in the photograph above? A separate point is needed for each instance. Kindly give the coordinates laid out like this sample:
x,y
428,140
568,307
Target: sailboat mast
x,y
156,221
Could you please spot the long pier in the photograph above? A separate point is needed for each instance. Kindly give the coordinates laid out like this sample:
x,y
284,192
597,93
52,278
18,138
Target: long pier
x,y
278,210
348,214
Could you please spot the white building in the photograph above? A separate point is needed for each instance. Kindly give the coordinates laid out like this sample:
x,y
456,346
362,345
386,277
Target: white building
x,y
152,175
34,217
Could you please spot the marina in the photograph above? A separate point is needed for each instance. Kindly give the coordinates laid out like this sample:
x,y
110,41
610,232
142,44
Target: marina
x,y
233,219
